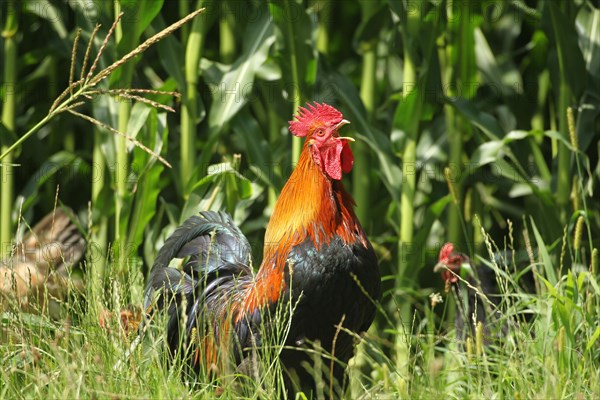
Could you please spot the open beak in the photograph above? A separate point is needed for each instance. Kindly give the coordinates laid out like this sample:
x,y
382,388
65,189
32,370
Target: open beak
x,y
338,126
342,123
439,267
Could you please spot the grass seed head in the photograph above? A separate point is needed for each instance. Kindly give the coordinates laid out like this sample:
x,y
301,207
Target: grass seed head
x,y
578,232
571,127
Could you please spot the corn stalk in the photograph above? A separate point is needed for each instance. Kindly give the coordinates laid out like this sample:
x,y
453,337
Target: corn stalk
x,y
361,176
189,118
8,120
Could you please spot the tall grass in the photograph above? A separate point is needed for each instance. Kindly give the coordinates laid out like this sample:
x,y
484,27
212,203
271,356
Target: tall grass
x,y
554,356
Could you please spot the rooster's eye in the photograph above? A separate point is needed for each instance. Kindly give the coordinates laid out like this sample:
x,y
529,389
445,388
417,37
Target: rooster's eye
x,y
320,132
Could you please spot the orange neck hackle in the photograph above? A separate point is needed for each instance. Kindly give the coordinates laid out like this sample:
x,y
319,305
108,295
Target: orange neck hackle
x,y
311,206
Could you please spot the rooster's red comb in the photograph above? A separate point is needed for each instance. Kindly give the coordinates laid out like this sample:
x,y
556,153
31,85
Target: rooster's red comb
x,y
311,115
446,251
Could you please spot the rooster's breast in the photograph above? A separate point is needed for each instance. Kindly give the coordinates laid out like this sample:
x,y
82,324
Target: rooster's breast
x,y
337,281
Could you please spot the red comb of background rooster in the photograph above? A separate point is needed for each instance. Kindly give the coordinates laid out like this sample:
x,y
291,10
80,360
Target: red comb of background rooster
x,y
446,251
449,261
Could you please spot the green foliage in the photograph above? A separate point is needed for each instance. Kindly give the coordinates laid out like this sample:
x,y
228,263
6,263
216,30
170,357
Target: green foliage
x,y
477,89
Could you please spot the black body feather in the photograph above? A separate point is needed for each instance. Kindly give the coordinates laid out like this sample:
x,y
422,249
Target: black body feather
x,y
215,258
485,304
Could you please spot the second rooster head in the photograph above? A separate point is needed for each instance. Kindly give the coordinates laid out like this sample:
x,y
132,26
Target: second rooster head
x,y
452,265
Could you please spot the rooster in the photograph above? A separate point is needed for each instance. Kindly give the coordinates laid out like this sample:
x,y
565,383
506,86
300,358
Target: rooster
x,y
479,293
317,258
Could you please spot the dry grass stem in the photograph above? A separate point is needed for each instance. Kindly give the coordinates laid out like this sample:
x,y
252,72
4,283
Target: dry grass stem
x,y
54,210
331,364
88,49
148,91
113,130
73,59
473,288
72,106
142,47
571,126
90,80
563,249
128,93
104,44
63,95
146,101
578,233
